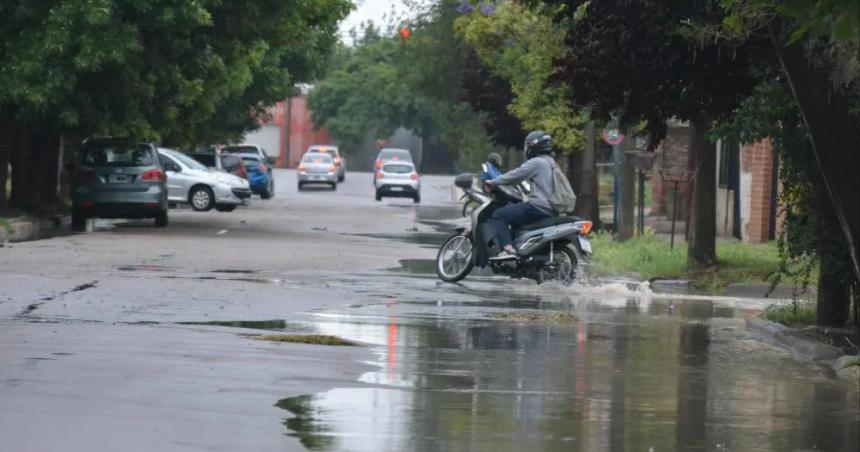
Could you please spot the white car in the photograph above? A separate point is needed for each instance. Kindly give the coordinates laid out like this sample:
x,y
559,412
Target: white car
x,y
398,179
188,181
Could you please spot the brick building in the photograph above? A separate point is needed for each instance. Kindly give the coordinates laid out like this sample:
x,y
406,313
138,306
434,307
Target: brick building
x,y
288,131
747,186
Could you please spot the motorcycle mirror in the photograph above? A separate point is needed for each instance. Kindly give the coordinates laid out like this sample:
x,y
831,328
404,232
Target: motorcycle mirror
x,y
463,181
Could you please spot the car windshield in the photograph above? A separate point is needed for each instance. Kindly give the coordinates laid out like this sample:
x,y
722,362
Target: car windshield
x,y
118,155
394,154
317,159
185,160
230,162
241,149
397,169
250,161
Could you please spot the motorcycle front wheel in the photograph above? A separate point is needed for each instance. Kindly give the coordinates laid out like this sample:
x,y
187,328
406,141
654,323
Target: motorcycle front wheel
x,y
454,260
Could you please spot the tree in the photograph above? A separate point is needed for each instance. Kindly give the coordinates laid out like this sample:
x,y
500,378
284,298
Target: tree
x,y
178,71
637,61
818,46
388,82
519,45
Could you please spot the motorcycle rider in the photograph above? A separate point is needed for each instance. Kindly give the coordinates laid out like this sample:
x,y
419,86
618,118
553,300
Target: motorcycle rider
x,y
490,168
538,171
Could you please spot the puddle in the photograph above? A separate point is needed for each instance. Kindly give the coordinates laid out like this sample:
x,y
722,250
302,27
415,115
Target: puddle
x,y
631,374
417,266
272,325
317,339
216,278
144,268
426,239
235,271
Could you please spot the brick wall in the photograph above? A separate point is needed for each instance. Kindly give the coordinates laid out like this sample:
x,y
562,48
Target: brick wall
x,y
757,174
301,132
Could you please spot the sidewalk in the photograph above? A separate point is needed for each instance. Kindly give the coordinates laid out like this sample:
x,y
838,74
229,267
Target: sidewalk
x,y
23,229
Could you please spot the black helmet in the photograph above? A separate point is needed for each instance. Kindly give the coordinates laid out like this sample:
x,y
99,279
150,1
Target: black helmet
x,y
537,143
495,158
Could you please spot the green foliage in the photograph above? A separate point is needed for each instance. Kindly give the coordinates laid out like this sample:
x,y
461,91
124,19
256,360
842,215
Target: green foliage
x,y
831,19
520,44
383,83
793,314
649,257
811,232
184,71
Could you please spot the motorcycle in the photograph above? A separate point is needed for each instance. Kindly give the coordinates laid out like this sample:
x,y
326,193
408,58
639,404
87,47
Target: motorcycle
x,y
549,250
474,199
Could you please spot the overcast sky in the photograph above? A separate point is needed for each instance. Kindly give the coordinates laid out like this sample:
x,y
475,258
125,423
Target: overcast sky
x,y
369,10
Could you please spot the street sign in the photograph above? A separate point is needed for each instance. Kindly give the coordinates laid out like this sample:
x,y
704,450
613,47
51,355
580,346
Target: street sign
x,y
612,136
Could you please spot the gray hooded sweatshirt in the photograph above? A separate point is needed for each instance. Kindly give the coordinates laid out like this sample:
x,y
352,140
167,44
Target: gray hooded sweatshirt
x,y
538,171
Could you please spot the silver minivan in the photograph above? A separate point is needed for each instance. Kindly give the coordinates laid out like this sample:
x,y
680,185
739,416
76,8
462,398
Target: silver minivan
x,y
188,181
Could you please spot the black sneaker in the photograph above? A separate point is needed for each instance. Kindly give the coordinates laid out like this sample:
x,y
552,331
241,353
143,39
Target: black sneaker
x,y
505,255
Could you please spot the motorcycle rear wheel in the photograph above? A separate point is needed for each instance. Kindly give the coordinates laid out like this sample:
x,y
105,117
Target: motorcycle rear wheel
x,y
566,266
454,260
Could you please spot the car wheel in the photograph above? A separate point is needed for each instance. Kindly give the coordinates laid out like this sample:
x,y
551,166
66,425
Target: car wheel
x,y
161,219
341,178
270,191
301,187
334,186
225,207
378,196
201,198
79,221
416,199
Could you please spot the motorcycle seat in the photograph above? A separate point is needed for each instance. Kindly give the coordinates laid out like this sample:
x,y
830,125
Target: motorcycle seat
x,y
552,221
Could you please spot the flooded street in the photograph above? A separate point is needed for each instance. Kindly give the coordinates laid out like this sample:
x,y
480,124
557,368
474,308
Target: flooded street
x,y
500,372
162,347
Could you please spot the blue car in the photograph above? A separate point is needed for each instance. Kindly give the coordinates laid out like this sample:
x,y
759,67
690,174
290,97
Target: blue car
x,y
259,175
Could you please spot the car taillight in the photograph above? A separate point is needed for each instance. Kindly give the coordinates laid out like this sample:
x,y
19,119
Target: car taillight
x,y
378,164
262,168
413,176
241,172
302,167
155,175
337,161
380,175
332,168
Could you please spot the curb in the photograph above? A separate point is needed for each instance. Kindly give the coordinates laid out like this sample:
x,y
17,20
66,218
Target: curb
x,y
24,229
804,349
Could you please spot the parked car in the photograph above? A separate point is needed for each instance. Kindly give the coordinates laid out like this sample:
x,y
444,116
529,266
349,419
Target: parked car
x,y
117,179
265,188
391,154
333,151
214,158
317,168
188,181
259,175
398,179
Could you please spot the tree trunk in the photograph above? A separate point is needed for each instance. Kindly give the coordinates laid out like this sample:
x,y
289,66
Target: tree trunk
x,y
582,168
833,295
26,170
701,245
5,150
625,184
48,146
835,136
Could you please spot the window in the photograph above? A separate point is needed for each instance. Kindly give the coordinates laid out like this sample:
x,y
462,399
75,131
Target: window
x,y
118,156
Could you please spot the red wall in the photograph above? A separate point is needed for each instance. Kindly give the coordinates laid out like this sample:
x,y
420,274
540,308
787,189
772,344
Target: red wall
x,y
300,129
302,134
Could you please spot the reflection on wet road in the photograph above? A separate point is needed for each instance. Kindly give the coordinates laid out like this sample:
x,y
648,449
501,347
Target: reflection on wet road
x,y
629,374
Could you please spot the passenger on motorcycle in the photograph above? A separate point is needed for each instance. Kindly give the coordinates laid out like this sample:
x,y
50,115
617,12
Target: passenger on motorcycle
x,y
538,171
490,168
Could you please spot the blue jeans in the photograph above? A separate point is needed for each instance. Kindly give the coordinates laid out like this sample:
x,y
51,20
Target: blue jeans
x,y
513,216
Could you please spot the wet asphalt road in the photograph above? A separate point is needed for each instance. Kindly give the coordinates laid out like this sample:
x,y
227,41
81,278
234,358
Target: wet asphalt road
x,y
132,338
